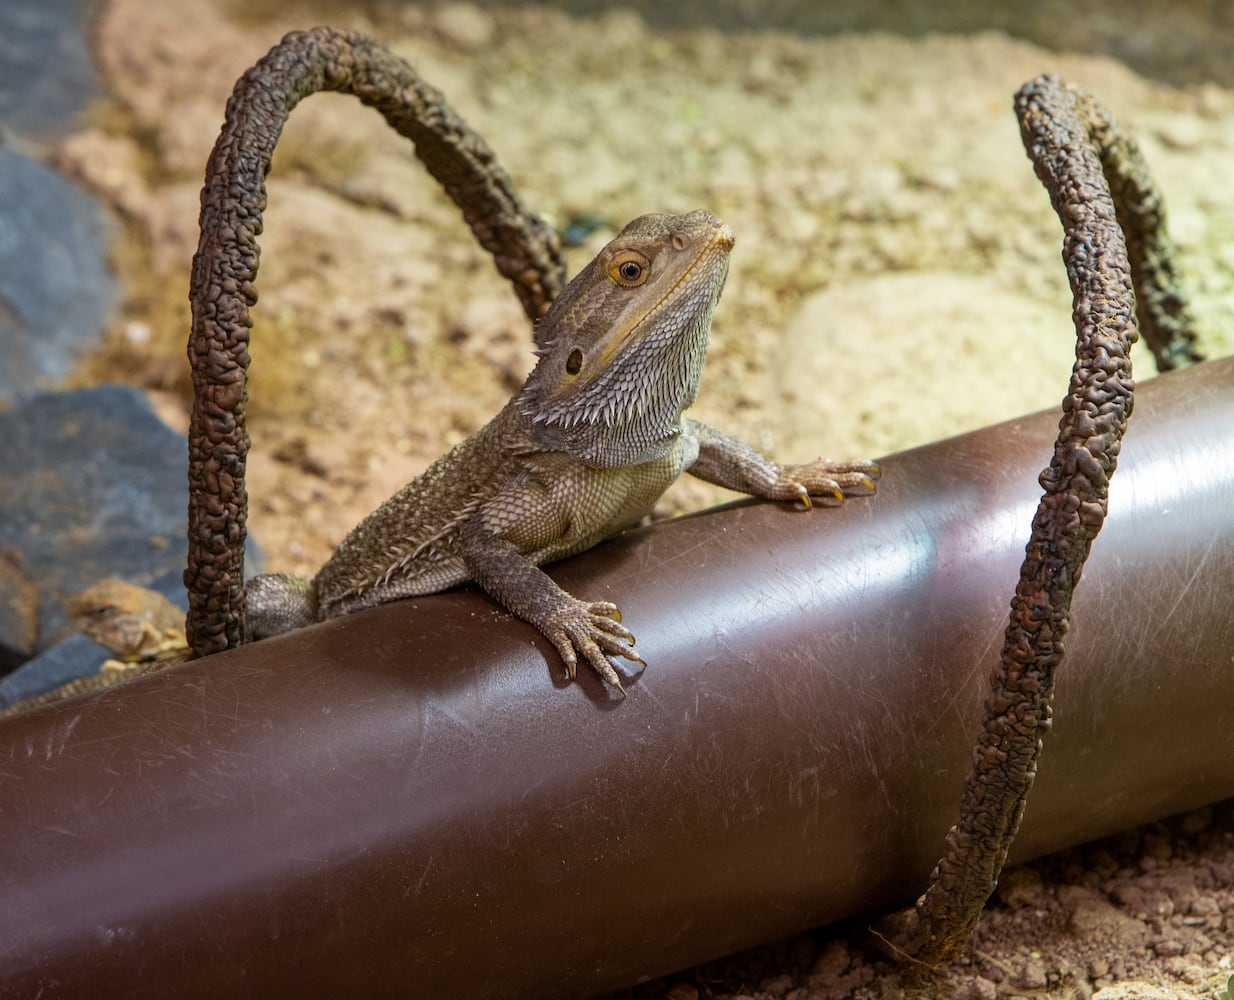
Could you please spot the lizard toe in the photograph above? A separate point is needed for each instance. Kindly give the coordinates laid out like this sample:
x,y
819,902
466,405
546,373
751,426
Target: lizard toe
x,y
855,483
565,649
613,633
824,491
595,637
601,665
615,644
828,482
602,609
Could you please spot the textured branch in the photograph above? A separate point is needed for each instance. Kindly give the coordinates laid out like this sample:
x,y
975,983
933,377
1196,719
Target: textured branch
x,y
525,250
1161,302
1063,132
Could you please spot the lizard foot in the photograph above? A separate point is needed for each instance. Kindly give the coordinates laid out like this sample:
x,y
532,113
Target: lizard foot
x,y
828,482
592,629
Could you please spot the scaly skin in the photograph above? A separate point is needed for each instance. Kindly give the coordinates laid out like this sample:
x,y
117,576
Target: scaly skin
x,y
582,452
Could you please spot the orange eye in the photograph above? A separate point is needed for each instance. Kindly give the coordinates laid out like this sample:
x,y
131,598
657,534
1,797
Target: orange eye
x,y
629,269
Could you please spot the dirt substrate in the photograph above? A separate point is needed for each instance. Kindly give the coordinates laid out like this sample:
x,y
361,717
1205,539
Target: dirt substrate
x,y
896,280
1145,914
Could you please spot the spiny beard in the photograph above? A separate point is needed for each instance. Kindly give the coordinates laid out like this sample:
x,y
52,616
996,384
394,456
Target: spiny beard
x,y
631,412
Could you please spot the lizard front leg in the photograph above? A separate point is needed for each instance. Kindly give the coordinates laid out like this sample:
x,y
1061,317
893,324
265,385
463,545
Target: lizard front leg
x,y
733,464
574,627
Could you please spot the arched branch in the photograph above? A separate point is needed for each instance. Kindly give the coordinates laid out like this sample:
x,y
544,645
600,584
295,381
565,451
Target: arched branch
x,y
1067,138
525,250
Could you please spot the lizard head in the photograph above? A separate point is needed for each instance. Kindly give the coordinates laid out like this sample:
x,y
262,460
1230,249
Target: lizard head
x,y
625,342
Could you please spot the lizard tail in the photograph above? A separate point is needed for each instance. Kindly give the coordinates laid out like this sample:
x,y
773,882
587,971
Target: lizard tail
x,y
277,603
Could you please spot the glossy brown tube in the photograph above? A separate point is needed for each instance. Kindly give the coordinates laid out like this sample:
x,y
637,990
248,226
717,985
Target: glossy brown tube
x,y
410,801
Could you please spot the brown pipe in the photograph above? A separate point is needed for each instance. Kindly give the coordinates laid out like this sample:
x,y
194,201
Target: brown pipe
x,y
410,802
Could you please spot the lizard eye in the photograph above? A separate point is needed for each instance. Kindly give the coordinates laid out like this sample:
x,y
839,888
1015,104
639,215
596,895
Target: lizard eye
x,y
629,269
574,362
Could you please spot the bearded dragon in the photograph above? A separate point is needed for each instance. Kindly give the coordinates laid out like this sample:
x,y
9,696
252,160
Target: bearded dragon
x,y
582,452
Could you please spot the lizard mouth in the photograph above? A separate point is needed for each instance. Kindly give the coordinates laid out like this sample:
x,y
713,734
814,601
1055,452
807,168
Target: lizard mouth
x,y
719,241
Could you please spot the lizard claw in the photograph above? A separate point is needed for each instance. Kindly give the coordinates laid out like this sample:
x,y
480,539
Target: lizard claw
x,y
593,630
605,608
828,482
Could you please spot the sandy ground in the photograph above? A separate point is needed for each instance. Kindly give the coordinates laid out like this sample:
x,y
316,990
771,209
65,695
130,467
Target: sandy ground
x,y
896,280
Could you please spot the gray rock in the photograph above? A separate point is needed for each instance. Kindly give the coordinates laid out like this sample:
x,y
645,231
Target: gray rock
x,y
76,657
55,291
92,484
46,73
18,621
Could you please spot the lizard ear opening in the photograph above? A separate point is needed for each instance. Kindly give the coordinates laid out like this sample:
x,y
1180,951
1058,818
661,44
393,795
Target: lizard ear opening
x,y
574,362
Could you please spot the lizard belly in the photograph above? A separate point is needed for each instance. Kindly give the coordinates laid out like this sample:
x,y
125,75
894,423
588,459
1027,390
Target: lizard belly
x,y
599,503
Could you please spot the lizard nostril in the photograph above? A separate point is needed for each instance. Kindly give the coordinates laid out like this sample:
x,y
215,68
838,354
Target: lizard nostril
x,y
680,241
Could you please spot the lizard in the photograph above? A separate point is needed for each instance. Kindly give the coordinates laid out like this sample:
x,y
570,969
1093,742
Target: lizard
x,y
580,453
140,628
